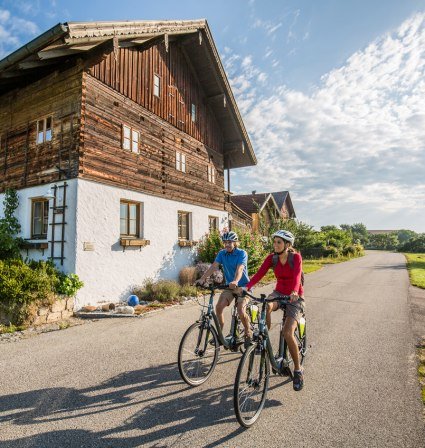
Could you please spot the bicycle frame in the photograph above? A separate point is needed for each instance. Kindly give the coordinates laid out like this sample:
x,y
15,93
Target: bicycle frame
x,y
210,315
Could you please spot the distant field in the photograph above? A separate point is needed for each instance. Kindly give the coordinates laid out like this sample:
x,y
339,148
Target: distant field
x,y
416,267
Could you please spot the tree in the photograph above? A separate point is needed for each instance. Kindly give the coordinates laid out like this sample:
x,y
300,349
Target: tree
x,y
405,235
10,227
383,241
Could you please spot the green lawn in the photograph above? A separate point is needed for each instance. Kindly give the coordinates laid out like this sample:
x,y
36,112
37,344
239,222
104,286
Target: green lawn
x,y
416,267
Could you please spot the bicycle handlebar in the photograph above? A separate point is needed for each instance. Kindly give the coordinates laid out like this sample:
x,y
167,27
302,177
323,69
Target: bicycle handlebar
x,y
284,300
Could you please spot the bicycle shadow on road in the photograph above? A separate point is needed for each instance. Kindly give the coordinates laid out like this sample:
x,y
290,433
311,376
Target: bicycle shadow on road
x,y
164,409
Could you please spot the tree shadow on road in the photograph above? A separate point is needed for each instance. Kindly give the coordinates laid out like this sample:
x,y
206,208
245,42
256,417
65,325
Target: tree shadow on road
x,y
175,413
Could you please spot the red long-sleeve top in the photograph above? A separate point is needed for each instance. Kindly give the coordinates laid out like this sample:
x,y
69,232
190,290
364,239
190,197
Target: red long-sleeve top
x,y
288,279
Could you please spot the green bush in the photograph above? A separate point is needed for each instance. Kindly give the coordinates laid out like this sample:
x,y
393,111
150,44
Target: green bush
x,y
188,291
349,251
253,244
414,245
209,246
10,228
23,289
69,284
162,290
331,251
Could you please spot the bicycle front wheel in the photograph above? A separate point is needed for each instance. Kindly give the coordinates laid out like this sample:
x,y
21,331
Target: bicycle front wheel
x,y
198,354
251,385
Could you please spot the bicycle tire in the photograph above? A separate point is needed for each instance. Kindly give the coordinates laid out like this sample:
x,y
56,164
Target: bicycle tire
x,y
194,367
251,378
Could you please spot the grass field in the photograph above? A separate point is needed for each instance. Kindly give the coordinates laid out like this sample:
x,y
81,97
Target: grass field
x,y
416,267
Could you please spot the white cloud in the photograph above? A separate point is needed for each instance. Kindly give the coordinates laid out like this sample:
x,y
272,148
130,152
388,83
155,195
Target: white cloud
x,y
354,149
13,31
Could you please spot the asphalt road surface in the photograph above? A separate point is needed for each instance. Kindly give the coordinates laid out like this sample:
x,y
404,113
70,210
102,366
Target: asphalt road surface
x,y
115,382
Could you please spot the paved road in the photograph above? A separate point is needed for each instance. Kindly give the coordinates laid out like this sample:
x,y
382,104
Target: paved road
x,y
114,383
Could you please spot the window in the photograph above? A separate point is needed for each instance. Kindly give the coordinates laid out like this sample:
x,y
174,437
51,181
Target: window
x,y
193,112
39,218
212,223
156,85
130,138
180,161
44,130
130,218
184,225
211,174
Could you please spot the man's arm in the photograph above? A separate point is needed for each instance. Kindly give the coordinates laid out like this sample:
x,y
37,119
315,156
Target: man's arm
x,y
237,277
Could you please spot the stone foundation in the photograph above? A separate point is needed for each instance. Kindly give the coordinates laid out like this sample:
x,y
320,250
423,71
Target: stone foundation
x,y
62,309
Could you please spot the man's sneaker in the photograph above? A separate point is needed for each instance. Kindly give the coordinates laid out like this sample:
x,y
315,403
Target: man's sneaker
x,y
298,381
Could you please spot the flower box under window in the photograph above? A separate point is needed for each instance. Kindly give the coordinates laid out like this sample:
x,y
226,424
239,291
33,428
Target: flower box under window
x,y
187,243
137,242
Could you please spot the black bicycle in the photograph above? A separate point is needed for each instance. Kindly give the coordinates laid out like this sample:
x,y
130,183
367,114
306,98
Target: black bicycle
x,y
200,344
252,377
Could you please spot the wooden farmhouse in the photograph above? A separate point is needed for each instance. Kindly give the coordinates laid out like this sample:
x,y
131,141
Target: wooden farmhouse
x,y
249,209
118,137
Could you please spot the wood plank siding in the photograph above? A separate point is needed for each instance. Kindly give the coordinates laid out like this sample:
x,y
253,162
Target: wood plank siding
x,y
131,71
25,163
153,170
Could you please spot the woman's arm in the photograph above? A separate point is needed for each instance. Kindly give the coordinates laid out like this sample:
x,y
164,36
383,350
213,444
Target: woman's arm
x,y
267,263
298,267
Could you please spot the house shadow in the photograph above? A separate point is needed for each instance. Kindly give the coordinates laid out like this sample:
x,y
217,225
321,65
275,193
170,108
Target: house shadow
x,y
174,412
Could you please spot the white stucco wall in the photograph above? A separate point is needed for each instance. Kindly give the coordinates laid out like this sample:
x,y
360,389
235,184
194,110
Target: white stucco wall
x,y
108,271
24,215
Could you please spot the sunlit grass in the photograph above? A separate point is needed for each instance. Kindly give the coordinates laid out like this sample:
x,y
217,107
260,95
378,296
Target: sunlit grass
x,y
416,267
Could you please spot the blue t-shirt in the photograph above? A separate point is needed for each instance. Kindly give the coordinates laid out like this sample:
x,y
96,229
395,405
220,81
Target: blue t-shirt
x,y
230,261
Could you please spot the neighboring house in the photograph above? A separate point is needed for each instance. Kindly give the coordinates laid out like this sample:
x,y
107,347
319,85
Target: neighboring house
x,y
118,136
263,206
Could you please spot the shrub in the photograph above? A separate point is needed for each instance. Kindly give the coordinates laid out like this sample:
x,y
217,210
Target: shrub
x,y
331,251
23,290
414,245
252,243
209,246
187,275
162,290
349,251
69,284
10,228
188,291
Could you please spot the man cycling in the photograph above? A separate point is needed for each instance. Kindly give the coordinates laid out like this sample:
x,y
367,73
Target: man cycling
x,y
234,262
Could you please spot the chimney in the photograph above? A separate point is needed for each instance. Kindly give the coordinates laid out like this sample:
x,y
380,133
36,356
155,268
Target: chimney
x,y
254,191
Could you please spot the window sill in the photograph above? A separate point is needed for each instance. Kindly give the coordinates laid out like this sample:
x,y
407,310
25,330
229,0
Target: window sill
x,y
187,243
41,245
137,242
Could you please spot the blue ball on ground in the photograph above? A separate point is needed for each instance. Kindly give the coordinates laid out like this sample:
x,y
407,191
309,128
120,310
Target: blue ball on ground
x,y
133,300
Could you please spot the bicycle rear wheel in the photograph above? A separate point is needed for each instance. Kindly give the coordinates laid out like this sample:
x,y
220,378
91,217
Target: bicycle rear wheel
x,y
251,385
198,354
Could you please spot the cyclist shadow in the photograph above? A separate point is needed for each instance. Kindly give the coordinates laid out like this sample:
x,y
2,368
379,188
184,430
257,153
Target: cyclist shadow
x,y
175,412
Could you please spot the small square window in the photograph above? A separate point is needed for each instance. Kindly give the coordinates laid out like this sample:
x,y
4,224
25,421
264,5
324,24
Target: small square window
x,y
193,112
211,174
44,130
212,223
180,162
135,141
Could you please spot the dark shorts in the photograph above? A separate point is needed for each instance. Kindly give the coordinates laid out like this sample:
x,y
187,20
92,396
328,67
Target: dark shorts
x,y
294,310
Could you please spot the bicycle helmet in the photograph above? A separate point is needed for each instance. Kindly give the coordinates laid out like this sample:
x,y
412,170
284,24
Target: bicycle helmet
x,y
229,236
285,235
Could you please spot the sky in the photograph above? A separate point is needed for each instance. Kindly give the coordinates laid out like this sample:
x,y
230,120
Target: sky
x,y
332,94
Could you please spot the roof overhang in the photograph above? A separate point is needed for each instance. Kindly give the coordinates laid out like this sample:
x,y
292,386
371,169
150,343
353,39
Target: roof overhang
x,y
76,39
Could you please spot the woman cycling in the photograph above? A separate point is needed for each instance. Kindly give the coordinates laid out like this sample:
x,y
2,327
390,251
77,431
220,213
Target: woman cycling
x,y
288,275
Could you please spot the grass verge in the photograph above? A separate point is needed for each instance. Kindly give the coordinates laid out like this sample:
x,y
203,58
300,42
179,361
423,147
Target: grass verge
x,y
416,268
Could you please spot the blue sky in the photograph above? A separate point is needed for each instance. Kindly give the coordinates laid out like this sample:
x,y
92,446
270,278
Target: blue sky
x,y
332,93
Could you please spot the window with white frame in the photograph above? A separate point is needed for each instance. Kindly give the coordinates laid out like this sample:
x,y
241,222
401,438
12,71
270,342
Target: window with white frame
x,y
39,218
130,214
44,130
184,219
156,85
130,138
180,161
211,174
193,112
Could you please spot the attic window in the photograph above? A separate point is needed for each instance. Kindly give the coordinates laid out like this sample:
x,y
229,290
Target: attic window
x,y
130,139
180,161
211,174
44,130
193,112
156,85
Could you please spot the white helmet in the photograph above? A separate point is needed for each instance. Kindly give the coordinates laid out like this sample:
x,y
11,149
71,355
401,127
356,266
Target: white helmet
x,y
285,235
229,236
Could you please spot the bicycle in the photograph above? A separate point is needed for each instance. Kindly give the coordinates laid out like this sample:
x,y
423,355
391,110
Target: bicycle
x,y
252,377
200,344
